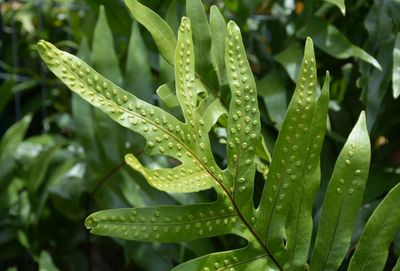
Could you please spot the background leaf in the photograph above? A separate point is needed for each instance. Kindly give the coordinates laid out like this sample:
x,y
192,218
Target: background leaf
x,y
396,68
330,40
373,247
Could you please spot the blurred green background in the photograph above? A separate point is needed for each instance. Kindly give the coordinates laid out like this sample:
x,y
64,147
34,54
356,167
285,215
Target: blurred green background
x,y
61,159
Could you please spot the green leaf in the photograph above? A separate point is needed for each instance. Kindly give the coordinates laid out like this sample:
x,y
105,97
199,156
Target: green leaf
x,y
10,141
6,91
373,248
46,262
213,113
243,122
342,200
161,32
278,231
330,40
109,132
151,122
293,177
397,266
240,259
396,68
39,169
164,223
340,4
290,59
187,142
201,35
378,82
137,72
218,34
14,136
272,89
105,63
167,69
167,95
300,222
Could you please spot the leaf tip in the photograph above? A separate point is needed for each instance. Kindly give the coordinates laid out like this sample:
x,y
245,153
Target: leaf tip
x,y
232,27
214,8
90,222
42,45
309,49
101,10
362,118
132,161
47,51
309,42
185,21
327,81
362,124
327,77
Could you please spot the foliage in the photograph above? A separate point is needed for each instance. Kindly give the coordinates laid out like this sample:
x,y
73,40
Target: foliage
x,y
86,170
279,229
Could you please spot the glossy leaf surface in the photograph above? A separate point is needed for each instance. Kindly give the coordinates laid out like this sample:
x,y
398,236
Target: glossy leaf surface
x,y
294,171
277,230
342,200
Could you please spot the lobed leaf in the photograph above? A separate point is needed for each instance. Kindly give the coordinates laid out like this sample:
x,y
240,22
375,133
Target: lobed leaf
x,y
173,137
299,225
279,230
373,248
242,259
243,122
213,113
184,178
164,223
342,200
166,93
294,160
